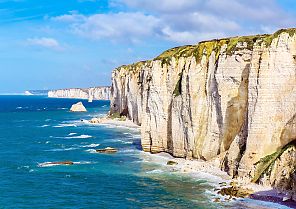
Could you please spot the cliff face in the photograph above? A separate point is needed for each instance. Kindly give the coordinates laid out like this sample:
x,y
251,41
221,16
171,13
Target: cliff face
x,y
229,99
95,93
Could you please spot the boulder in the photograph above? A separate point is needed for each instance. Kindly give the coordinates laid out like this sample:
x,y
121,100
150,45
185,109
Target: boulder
x,y
78,107
107,150
170,162
95,120
60,163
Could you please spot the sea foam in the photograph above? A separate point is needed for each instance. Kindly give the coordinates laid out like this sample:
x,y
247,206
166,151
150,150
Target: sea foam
x,y
63,125
91,145
61,149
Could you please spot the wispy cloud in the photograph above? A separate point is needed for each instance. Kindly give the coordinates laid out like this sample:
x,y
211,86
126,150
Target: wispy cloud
x,y
131,27
45,42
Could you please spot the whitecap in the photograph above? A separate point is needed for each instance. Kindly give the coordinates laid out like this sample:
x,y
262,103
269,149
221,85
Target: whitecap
x,y
127,142
25,166
126,133
65,125
61,149
154,171
91,150
91,145
47,142
71,134
48,164
43,126
136,136
83,136
119,140
128,151
83,162
19,108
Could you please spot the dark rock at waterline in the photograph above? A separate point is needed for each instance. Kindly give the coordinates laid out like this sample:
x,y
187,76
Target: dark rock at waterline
x,y
170,162
107,150
235,191
61,163
275,199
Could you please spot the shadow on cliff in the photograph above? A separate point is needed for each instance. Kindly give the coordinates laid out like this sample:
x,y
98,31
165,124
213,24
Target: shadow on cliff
x,y
137,144
273,196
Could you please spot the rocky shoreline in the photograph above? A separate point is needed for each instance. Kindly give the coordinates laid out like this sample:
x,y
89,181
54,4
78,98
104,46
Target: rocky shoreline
x,y
229,100
229,189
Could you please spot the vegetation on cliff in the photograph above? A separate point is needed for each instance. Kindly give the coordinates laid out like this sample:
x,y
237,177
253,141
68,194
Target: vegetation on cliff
x,y
178,88
206,48
232,45
264,164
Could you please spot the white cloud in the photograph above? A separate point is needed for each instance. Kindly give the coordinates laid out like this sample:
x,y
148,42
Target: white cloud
x,y
195,19
72,17
180,21
115,26
44,42
168,6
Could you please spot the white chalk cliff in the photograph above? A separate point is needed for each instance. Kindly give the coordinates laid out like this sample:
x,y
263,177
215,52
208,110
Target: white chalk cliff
x,y
230,100
95,93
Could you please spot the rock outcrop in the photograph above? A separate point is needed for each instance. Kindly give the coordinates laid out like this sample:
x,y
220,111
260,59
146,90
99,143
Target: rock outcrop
x,y
107,150
230,99
78,107
95,93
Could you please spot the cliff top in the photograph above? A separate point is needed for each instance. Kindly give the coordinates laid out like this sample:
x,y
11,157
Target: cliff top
x,y
206,47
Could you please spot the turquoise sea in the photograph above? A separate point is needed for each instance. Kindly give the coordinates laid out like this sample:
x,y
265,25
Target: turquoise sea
x,y
36,129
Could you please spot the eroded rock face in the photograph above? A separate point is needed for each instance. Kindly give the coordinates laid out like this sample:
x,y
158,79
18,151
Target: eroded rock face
x,y
232,99
78,107
282,173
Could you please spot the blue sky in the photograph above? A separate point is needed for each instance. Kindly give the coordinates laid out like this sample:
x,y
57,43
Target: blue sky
x,y
49,44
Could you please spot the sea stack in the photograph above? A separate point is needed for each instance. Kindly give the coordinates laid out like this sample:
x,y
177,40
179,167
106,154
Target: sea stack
x,y
78,107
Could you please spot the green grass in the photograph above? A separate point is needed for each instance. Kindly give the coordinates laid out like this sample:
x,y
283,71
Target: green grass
x,y
207,47
114,115
264,164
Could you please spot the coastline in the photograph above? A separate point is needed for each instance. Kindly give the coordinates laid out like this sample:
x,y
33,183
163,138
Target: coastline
x,y
194,167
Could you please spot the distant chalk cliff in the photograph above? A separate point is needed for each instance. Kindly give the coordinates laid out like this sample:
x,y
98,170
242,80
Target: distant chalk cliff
x,y
94,93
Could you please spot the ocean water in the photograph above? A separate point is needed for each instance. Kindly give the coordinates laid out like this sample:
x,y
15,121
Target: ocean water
x,y
35,130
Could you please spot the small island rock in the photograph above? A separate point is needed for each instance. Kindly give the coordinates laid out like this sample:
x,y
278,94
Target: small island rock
x,y
78,107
